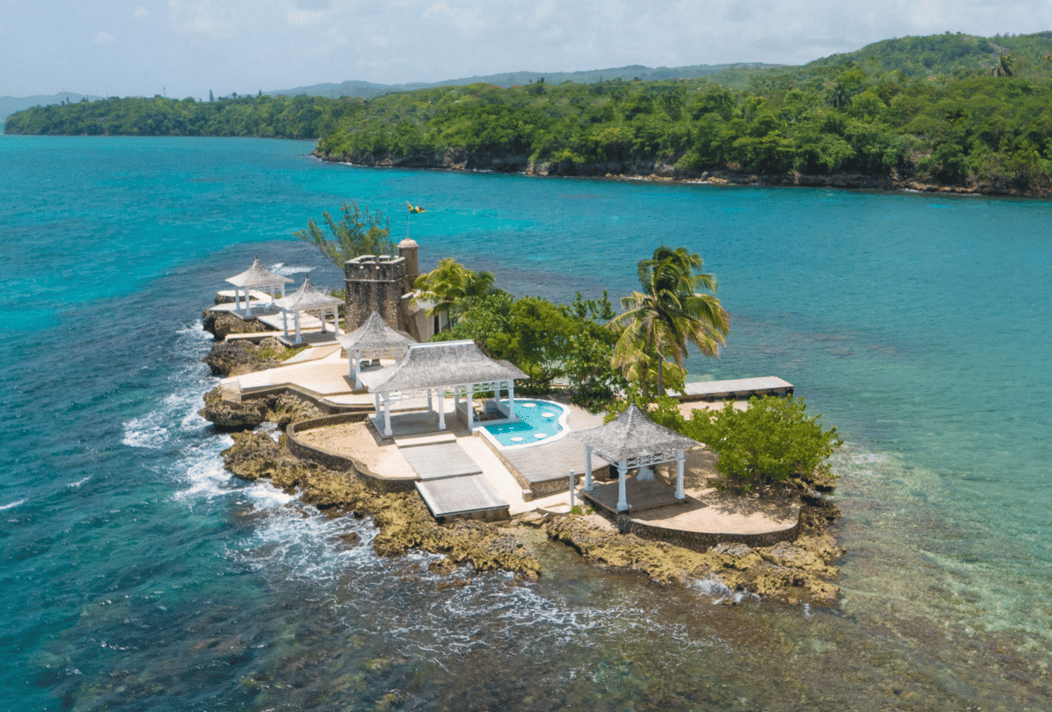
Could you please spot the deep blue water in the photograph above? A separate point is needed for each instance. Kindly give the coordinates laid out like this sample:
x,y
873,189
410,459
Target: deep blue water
x,y
136,574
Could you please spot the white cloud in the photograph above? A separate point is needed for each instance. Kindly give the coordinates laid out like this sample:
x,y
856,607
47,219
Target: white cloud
x,y
300,17
141,13
206,18
103,38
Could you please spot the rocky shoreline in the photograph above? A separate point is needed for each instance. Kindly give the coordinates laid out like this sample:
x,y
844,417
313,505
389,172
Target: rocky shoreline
x,y
659,171
800,572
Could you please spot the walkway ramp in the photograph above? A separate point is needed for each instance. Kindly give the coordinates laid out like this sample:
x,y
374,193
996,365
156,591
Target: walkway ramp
x,y
739,388
440,461
469,496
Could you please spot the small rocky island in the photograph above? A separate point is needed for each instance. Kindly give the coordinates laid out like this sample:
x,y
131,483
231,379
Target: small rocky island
x,y
347,453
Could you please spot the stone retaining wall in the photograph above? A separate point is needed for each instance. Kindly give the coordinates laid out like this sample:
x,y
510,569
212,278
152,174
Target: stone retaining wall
x,y
703,541
341,462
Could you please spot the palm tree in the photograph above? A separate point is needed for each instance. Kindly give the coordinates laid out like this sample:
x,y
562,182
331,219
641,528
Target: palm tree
x,y
449,284
672,310
1004,67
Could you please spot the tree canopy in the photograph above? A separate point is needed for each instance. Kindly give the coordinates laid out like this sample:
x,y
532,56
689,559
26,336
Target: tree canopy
x,y
357,232
672,310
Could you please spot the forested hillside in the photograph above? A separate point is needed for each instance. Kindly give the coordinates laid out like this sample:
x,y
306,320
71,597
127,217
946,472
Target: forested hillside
x,y
953,111
263,116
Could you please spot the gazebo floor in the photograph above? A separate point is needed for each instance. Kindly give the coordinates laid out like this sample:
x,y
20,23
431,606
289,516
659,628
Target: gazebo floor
x,y
641,494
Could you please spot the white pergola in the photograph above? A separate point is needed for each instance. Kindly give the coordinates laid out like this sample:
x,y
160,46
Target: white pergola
x,y
436,368
256,277
374,339
634,440
308,298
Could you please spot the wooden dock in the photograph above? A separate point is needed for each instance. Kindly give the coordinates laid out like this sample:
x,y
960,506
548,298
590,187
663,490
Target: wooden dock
x,y
736,389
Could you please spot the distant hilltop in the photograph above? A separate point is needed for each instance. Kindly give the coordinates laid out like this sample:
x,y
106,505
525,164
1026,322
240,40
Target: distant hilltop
x,y
11,104
367,90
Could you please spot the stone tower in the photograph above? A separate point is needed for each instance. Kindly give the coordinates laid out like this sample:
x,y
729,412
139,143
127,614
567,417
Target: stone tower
x,y
376,282
409,250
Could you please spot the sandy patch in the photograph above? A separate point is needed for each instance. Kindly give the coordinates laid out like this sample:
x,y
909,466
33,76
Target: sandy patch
x,y
359,441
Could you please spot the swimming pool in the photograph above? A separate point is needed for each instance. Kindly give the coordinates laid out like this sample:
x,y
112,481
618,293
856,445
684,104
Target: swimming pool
x,y
539,421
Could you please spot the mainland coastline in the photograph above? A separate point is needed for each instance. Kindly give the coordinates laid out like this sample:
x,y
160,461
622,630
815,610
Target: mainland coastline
x,y
665,172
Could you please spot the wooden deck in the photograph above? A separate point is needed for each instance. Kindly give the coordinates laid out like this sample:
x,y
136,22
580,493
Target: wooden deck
x,y
641,495
439,461
736,389
468,496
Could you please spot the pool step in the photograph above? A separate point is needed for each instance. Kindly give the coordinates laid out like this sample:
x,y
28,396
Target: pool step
x,y
418,440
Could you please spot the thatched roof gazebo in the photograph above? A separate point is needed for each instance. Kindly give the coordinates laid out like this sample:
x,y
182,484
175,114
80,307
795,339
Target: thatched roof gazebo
x,y
634,440
256,277
308,298
374,339
436,368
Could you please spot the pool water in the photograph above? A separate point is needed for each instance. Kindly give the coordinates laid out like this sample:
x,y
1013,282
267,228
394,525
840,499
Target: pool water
x,y
539,421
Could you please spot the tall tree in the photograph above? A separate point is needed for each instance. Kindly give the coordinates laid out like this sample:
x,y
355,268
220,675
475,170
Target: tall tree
x,y
450,284
675,308
357,232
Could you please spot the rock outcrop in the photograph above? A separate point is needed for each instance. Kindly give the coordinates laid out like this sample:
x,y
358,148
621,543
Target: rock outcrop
x,y
798,572
228,414
402,517
220,324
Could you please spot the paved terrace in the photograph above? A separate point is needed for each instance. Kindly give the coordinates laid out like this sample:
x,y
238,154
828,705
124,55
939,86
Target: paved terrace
x,y
706,517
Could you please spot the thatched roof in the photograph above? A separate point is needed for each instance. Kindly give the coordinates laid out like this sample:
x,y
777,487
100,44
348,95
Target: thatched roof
x,y
258,276
632,435
375,335
307,297
433,365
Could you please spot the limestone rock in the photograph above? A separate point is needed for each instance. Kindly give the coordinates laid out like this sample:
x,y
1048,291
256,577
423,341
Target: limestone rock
x,y
219,324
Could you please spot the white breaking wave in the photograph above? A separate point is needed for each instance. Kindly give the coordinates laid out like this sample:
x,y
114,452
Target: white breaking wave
x,y
177,412
12,504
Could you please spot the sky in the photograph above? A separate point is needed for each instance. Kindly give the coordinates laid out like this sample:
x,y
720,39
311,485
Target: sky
x,y
186,48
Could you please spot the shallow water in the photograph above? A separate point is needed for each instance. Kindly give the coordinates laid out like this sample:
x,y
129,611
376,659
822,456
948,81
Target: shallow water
x,y
137,574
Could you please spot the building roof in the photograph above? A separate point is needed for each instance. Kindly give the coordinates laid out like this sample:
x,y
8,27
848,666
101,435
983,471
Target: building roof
x,y
632,435
258,276
374,335
445,363
307,297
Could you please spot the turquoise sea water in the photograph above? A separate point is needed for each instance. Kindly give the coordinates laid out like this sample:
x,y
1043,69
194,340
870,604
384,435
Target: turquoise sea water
x,y
137,575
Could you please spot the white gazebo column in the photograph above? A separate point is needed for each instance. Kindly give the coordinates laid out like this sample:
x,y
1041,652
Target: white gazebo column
x,y
511,400
442,409
470,406
324,314
587,469
296,318
285,323
622,495
387,415
430,405
646,472
680,494
357,371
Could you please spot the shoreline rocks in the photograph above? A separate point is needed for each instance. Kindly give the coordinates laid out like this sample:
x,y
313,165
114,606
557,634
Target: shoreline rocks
x,y
799,572
663,171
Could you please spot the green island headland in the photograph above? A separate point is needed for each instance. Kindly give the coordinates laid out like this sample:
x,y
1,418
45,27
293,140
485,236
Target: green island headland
x,y
949,113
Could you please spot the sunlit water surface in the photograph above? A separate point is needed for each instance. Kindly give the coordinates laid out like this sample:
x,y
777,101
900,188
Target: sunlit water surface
x,y
138,575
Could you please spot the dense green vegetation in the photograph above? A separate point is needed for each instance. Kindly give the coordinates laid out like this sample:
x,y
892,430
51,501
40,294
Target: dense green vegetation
x,y
568,344
301,117
773,442
945,110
